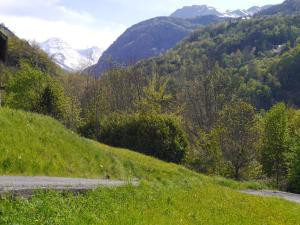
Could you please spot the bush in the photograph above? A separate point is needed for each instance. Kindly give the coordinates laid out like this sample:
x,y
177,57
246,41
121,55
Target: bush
x,y
32,90
156,135
25,87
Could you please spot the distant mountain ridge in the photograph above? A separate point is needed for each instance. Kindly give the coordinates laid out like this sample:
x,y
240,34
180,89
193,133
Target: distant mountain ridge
x,y
147,39
68,58
155,36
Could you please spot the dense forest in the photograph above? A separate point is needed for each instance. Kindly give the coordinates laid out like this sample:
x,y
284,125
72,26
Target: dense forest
x,y
223,102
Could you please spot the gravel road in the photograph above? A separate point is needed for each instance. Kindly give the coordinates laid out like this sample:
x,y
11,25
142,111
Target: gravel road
x,y
25,186
269,193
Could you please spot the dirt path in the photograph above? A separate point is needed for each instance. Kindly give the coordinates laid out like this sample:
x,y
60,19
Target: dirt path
x,y
269,193
25,186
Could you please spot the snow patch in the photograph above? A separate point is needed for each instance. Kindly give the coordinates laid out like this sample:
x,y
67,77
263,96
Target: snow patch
x,y
69,58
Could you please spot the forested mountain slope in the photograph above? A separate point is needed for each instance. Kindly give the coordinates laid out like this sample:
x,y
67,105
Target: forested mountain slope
x,y
147,39
244,50
286,8
155,36
253,60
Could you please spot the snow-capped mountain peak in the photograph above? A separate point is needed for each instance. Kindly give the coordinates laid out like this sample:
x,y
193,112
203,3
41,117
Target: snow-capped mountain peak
x,y
236,13
69,58
92,53
245,12
193,11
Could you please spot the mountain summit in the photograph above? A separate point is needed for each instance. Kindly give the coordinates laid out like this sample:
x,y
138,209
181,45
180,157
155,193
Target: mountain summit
x,y
69,58
193,11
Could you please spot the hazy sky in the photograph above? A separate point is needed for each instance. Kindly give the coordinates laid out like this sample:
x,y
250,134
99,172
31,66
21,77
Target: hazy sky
x,y
86,23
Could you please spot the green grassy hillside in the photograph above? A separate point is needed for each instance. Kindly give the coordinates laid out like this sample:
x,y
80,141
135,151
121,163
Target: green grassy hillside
x,y
169,194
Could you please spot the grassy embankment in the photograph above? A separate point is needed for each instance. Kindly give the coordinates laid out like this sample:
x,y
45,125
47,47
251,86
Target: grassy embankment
x,y
31,144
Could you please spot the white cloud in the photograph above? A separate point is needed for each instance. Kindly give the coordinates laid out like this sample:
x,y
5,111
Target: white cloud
x,y
44,9
5,4
42,19
79,36
72,15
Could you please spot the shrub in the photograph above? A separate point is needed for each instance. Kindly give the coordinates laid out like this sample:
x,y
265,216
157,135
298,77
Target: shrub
x,y
160,136
25,87
30,89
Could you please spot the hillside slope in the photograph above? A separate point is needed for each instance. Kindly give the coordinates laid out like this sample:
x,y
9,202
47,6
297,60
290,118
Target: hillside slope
x,y
288,7
21,50
169,194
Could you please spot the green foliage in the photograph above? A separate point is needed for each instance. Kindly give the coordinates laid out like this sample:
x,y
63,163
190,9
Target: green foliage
x,y
73,87
237,59
25,88
239,136
20,50
30,89
288,73
246,49
157,135
207,156
275,143
206,95
53,102
253,60
156,99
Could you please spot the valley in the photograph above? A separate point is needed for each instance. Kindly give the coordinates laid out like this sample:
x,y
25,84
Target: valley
x,y
190,116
